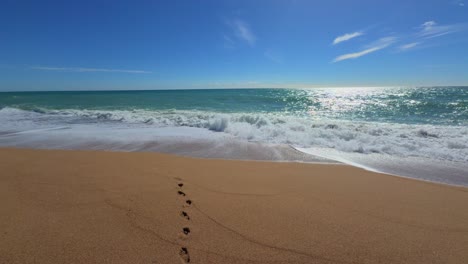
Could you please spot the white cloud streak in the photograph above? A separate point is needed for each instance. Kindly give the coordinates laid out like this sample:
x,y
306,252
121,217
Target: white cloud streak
x,y
347,37
377,45
242,31
78,69
408,46
431,29
356,54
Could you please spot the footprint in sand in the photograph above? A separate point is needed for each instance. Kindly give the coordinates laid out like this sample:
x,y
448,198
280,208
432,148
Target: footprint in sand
x,y
186,230
185,215
184,255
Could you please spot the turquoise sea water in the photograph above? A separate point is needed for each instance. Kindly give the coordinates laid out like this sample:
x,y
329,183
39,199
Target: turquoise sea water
x,y
417,132
425,105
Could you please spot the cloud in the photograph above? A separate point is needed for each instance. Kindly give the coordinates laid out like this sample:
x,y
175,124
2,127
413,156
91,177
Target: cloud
x,y
347,37
428,25
77,69
377,45
356,54
408,46
431,29
242,31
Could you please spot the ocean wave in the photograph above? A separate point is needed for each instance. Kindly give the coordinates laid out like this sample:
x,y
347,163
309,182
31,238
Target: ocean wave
x,y
403,140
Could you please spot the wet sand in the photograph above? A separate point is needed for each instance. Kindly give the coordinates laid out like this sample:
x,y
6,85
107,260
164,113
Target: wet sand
x,y
110,207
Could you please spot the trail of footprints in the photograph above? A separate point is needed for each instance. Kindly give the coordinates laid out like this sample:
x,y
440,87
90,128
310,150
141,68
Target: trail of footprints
x,y
184,253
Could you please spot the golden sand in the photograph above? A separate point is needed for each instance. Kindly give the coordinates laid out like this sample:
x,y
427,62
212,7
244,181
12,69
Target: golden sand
x,y
107,207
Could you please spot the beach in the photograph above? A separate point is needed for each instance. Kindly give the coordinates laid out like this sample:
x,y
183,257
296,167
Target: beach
x,y
60,206
234,132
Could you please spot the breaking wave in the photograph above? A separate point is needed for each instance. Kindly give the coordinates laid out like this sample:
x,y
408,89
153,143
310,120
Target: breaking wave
x,y
439,142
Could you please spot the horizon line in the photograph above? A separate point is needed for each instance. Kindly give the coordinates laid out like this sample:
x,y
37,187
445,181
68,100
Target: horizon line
x,y
236,88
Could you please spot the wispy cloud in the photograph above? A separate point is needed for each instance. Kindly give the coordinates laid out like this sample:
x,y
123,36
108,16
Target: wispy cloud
x,y
408,46
242,31
78,69
431,29
347,37
381,43
356,54
459,3
428,31
419,38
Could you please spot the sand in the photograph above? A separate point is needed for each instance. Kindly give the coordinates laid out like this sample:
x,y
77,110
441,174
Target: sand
x,y
109,207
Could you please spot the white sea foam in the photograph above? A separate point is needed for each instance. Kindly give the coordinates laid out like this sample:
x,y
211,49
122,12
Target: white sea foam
x,y
401,140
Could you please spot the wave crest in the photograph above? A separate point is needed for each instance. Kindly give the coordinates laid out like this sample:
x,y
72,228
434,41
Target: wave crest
x,y
403,140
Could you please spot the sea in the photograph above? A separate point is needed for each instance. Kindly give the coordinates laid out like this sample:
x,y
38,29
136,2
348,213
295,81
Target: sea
x,y
415,132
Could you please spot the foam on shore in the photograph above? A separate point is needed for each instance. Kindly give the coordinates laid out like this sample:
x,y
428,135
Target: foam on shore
x,y
262,136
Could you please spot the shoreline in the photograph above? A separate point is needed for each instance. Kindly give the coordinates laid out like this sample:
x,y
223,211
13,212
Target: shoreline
x,y
68,206
339,161
429,151
314,159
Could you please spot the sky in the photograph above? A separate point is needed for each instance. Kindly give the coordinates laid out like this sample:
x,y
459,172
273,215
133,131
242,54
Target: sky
x,y
185,44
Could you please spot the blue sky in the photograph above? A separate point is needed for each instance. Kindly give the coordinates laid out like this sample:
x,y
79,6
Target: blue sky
x,y
98,45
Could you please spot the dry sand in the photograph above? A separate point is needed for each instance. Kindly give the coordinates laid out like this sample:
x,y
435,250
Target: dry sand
x,y
104,207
